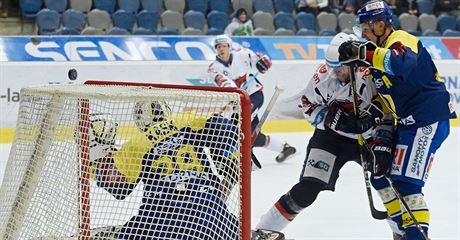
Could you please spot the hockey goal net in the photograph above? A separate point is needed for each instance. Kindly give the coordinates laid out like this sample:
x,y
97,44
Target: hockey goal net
x,y
111,160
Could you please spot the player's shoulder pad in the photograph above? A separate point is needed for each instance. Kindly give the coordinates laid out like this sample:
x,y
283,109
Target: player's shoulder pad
x,y
321,75
404,38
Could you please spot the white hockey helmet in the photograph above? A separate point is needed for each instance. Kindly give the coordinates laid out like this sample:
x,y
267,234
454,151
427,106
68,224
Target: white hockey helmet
x,y
332,52
103,129
150,114
223,39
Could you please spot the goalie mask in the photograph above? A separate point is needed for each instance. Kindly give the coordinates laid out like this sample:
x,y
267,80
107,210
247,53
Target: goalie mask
x,y
103,129
152,118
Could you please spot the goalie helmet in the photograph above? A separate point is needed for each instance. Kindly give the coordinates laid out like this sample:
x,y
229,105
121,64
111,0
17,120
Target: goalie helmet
x,y
149,114
103,129
223,39
332,52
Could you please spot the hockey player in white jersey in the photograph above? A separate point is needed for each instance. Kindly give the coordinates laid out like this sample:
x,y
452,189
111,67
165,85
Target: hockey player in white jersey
x,y
327,105
239,68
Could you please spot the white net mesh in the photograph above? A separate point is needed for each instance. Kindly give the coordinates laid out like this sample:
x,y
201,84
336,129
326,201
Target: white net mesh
x,y
124,162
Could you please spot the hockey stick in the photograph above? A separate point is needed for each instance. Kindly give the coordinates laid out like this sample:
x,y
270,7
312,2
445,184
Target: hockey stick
x,y
406,206
278,90
374,212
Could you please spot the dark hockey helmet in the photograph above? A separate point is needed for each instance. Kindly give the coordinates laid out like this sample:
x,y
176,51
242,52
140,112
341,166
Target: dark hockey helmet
x,y
375,10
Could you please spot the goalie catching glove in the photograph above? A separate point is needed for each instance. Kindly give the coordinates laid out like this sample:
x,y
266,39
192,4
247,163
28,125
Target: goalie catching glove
x,y
357,54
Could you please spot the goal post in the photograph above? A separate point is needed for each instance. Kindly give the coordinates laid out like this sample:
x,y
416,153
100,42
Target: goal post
x,y
120,160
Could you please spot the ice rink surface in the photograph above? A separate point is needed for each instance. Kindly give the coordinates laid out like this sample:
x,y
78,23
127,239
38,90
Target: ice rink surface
x,y
344,214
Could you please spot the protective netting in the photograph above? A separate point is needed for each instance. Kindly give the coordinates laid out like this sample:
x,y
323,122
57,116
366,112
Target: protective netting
x,y
124,162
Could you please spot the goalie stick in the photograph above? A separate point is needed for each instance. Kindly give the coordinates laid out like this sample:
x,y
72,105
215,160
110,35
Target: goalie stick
x,y
278,90
362,148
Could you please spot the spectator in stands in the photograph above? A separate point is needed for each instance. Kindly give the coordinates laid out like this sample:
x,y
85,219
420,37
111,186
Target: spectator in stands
x,y
348,6
403,6
241,25
313,6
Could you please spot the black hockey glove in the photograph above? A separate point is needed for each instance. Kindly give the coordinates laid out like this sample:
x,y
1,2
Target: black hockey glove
x,y
339,119
381,157
353,53
371,117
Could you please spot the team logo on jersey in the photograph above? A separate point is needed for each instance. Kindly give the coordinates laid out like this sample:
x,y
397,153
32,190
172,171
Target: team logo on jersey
x,y
318,164
427,130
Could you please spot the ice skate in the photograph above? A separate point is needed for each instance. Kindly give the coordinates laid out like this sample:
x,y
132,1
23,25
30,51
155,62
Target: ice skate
x,y
262,234
287,151
399,237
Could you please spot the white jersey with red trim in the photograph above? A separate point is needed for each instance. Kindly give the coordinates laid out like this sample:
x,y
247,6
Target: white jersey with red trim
x,y
324,89
239,72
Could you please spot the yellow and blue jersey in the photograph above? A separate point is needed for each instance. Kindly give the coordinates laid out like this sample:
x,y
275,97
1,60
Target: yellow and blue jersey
x,y
407,77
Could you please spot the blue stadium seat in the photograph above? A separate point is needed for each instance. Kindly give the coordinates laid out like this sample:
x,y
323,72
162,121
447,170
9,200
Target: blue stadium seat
x,y
284,6
327,32
451,33
215,31
168,31
57,5
73,19
152,5
48,21
30,8
123,19
306,21
217,20
118,31
431,33
148,20
425,6
263,5
129,5
105,5
284,20
198,5
194,19
142,31
220,5
67,31
306,32
446,22
458,23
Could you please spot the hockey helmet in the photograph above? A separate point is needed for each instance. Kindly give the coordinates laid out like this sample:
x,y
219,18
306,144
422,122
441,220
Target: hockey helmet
x,y
103,129
332,51
375,10
150,114
222,39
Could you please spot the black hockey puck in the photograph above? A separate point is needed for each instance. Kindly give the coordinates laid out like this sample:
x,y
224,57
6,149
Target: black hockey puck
x,y
72,74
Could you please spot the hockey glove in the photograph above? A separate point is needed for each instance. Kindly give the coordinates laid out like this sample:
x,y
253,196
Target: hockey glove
x,y
264,63
381,157
371,117
339,119
356,54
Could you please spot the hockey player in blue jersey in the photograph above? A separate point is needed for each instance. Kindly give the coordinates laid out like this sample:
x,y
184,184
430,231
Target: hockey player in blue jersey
x,y
406,76
187,173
